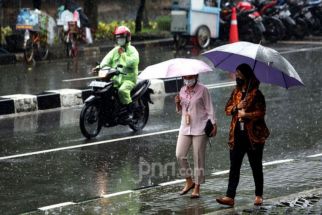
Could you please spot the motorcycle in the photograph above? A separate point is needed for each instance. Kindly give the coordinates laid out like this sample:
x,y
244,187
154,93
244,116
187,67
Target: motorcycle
x,y
275,29
250,25
103,107
310,12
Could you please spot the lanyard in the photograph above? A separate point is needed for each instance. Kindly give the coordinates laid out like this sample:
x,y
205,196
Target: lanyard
x,y
189,95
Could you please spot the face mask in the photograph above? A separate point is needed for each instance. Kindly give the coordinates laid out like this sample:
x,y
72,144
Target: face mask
x,y
189,82
240,82
121,41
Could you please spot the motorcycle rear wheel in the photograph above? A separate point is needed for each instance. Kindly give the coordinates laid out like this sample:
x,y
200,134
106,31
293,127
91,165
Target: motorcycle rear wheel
x,y
140,116
89,122
275,30
250,32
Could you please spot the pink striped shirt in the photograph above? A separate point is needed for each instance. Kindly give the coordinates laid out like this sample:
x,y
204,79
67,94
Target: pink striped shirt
x,y
199,106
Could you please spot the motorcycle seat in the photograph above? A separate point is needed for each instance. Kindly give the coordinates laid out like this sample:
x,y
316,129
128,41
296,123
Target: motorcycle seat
x,y
139,87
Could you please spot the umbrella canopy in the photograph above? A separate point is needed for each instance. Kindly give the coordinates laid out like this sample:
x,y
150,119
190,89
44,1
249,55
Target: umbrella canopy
x,y
268,65
175,68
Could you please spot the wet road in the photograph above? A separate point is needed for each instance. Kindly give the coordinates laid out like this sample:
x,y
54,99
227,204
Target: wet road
x,y
118,159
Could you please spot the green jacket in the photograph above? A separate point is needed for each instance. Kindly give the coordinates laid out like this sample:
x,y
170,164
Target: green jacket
x,y
128,59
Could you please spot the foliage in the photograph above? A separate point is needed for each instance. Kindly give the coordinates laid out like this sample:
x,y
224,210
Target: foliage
x,y
163,23
105,30
5,31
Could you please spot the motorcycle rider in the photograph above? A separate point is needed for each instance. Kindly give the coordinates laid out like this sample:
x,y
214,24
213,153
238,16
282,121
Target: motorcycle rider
x,y
125,57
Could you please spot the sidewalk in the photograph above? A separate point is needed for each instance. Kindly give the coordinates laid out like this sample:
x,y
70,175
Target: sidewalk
x,y
290,188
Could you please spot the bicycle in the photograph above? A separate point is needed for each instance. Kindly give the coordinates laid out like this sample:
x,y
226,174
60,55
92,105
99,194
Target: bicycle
x,y
35,46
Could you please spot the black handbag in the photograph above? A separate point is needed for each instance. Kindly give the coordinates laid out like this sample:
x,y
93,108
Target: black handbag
x,y
208,128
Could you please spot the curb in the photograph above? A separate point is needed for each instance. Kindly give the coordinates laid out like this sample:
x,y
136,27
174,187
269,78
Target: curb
x,y
22,103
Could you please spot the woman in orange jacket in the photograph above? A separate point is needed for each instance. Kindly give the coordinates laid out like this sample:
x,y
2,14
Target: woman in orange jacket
x,y
247,133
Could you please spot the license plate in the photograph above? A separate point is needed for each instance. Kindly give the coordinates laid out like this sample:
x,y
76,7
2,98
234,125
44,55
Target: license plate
x,y
99,84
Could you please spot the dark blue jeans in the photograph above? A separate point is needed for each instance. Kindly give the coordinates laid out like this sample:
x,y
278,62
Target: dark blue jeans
x,y
255,155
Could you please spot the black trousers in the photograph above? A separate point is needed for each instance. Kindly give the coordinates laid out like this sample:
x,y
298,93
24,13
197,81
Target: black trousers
x,y
255,155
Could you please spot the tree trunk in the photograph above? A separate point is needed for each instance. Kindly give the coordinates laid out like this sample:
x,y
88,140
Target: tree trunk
x,y
139,16
91,10
37,4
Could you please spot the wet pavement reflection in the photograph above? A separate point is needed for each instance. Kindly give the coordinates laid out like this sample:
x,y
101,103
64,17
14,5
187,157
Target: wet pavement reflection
x,y
83,174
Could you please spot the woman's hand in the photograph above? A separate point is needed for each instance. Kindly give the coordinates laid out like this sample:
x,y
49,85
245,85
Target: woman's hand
x,y
214,131
241,105
177,101
241,113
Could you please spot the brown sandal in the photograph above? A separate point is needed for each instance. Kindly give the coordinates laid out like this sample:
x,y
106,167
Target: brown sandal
x,y
186,191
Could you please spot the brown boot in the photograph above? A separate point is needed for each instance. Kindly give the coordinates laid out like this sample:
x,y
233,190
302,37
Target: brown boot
x,y
226,201
258,200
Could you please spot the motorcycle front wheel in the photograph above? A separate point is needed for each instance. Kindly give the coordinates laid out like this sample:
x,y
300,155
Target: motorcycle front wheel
x,y
140,115
89,121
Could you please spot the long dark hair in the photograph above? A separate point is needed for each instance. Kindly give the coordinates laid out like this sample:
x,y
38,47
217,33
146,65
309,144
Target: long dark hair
x,y
247,71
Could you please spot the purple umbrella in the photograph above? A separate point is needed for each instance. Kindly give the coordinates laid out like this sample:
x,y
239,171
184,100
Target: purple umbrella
x,y
268,65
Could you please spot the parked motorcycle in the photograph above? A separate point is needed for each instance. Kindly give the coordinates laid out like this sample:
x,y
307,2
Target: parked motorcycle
x,y
250,26
275,29
310,12
103,107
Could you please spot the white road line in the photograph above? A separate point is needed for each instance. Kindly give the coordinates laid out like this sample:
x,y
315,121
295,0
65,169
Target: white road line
x,y
56,206
301,50
264,164
87,144
220,172
221,85
314,156
277,162
117,194
172,182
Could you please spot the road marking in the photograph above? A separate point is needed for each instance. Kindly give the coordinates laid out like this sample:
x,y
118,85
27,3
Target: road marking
x,y
172,182
221,85
87,144
220,172
277,162
314,156
301,50
56,206
117,194
301,42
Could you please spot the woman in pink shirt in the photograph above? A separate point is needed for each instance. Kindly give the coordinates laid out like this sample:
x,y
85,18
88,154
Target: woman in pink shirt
x,y
195,105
